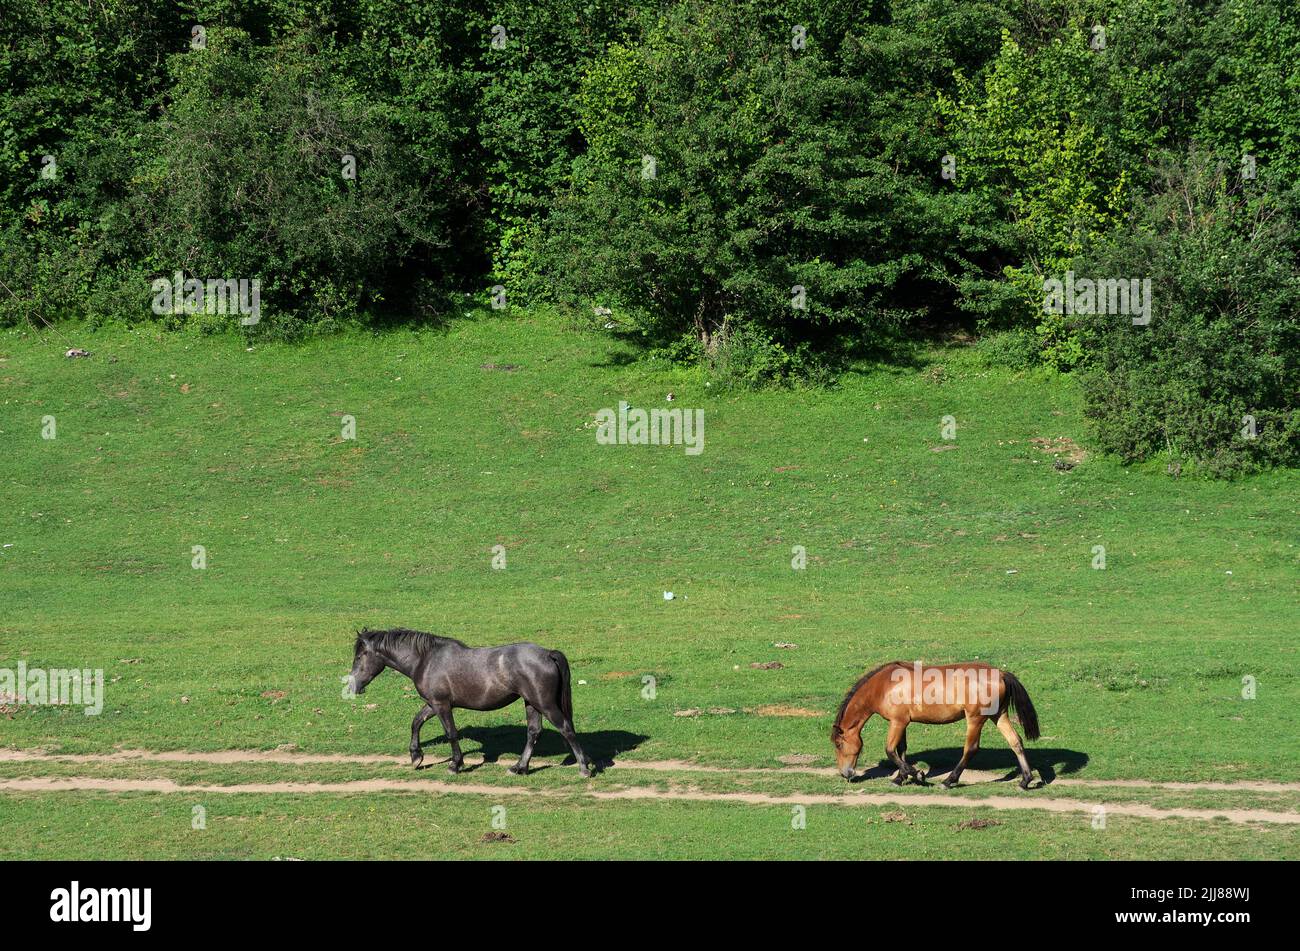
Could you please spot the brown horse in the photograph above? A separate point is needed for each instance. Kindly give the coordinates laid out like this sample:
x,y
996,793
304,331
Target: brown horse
x,y
905,693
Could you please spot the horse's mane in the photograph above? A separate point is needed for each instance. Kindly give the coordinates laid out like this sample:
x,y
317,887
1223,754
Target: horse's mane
x,y
856,687
419,641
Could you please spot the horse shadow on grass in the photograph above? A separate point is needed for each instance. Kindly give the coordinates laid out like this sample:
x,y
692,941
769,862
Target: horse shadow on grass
x,y
507,742
1047,762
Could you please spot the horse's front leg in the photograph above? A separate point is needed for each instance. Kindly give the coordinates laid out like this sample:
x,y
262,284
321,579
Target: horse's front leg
x,y
896,738
417,754
534,730
449,727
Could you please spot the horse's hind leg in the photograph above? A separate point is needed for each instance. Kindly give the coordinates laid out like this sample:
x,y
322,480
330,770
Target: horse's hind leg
x,y
534,730
449,727
562,723
417,754
1013,740
571,737
974,724
897,737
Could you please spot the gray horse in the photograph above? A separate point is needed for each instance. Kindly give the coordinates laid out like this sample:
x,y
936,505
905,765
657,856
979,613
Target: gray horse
x,y
450,674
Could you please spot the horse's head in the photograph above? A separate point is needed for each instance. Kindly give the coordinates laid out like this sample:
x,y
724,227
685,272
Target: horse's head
x,y
367,664
848,746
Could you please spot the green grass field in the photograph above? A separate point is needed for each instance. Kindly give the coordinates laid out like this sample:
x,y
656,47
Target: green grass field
x,y
482,434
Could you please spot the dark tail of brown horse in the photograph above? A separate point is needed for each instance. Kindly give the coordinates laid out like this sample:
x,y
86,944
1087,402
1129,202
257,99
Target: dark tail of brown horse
x,y
1018,700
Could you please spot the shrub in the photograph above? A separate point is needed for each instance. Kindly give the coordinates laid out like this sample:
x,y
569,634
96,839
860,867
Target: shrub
x,y
1223,342
1253,68
248,181
727,170
1013,349
527,114
1026,141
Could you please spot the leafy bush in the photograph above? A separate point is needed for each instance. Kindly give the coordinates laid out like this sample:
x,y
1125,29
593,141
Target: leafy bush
x,y
736,178
1223,342
77,82
1252,64
251,178
1026,140
73,74
1052,141
1013,349
528,113
226,161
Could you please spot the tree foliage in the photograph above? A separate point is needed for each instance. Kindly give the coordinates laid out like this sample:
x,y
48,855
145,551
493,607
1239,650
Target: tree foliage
x,y
828,177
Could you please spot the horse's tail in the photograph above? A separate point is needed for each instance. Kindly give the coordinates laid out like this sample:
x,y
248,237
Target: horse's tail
x,y
1018,700
566,689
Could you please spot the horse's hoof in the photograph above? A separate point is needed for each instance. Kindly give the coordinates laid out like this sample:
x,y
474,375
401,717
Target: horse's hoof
x,y
517,770
1026,783
948,785
918,778
585,772
454,768
897,781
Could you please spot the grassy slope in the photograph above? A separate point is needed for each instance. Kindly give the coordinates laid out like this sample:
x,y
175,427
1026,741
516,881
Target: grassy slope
x,y
193,441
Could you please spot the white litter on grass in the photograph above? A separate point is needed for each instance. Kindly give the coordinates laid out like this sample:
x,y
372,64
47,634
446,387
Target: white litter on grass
x,y
668,595
582,683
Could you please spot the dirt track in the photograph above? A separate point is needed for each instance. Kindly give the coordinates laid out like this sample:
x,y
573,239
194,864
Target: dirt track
x,y
851,797
970,777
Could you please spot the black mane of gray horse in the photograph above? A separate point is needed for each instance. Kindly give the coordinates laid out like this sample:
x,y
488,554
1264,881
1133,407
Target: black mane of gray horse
x,y
448,673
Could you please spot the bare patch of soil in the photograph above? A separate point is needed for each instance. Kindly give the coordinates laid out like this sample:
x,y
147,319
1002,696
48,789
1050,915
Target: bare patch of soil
x,y
1061,447
782,710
